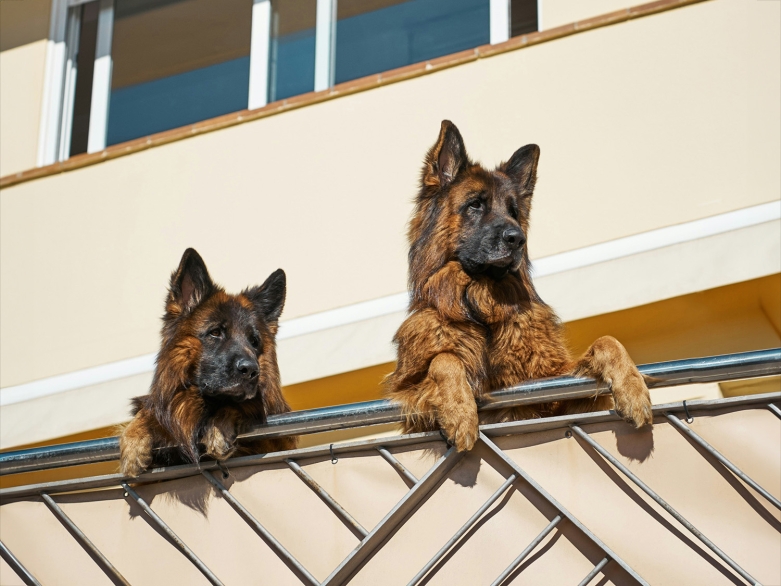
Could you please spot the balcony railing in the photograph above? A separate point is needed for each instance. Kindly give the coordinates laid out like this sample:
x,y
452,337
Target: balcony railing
x,y
420,488
677,372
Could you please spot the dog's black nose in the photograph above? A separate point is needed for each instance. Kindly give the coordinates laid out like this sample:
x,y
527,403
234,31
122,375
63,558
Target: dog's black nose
x,y
247,368
513,237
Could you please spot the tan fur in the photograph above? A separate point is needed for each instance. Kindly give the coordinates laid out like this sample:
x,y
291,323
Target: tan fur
x,y
466,336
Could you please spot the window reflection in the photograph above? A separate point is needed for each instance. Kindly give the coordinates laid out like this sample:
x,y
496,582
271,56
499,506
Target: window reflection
x,y
523,17
176,62
292,51
378,35
82,98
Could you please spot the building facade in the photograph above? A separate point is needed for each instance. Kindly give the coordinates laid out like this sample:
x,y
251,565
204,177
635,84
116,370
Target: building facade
x,y
290,133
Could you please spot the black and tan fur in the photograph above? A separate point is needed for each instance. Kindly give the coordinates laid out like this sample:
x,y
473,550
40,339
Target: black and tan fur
x,y
216,373
476,323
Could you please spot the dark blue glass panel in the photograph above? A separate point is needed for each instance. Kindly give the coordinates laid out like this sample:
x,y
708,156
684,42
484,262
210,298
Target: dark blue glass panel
x,y
408,32
292,64
177,100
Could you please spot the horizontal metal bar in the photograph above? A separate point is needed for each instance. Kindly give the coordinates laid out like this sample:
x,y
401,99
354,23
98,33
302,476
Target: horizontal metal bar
x,y
302,573
87,452
662,503
527,550
178,543
677,372
716,454
101,560
17,566
594,571
559,507
400,468
672,373
699,406
394,519
464,528
694,407
338,509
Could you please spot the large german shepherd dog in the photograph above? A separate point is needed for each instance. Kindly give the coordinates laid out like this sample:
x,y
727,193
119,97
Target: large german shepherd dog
x,y
216,372
476,323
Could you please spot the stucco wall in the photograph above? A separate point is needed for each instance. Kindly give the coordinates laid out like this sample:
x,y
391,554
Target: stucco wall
x,y
24,29
649,123
21,71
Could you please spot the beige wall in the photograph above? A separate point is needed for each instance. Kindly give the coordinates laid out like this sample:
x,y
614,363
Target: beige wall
x,y
24,28
649,123
21,91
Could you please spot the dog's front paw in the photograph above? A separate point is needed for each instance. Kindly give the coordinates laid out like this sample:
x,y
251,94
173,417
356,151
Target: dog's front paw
x,y
135,457
219,443
462,428
632,400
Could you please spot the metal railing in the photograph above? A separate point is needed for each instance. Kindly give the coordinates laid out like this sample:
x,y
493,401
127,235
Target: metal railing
x,y
370,542
677,372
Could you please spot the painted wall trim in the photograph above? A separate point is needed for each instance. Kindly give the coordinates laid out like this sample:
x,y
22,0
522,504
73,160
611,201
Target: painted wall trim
x,y
557,263
659,238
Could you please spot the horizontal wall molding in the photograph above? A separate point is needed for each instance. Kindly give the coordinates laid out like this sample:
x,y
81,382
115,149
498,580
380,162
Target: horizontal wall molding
x,y
397,303
659,238
344,89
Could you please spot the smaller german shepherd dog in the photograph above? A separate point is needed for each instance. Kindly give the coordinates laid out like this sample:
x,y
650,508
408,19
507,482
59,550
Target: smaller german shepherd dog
x,y
216,373
476,323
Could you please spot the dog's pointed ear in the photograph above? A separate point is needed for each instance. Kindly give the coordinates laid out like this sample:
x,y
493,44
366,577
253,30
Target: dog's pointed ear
x,y
446,158
522,167
269,297
190,284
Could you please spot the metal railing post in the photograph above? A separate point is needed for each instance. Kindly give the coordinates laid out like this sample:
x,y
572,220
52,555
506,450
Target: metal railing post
x,y
662,503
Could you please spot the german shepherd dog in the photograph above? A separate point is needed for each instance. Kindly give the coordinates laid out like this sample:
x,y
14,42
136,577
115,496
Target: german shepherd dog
x,y
476,323
216,373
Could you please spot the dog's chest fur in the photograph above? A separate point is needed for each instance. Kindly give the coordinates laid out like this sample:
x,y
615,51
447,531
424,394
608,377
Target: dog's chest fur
x,y
527,345
523,337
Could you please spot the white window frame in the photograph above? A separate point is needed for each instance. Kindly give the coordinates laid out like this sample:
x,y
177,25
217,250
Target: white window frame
x,y
61,69
325,44
539,15
54,82
69,83
60,76
500,21
101,79
259,54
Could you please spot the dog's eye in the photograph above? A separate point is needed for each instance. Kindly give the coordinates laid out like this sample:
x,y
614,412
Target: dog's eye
x,y
254,340
476,204
216,333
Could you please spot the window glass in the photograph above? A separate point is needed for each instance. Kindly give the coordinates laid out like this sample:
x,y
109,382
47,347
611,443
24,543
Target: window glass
x,y
523,17
85,65
176,62
377,35
292,51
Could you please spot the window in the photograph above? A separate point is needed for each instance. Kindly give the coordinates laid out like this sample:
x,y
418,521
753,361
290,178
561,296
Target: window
x,y
131,68
85,64
292,54
175,63
523,17
378,35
